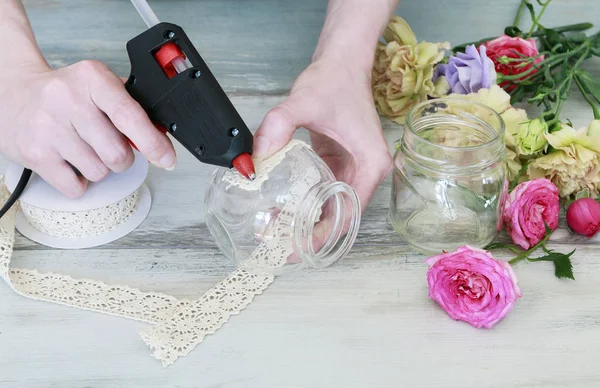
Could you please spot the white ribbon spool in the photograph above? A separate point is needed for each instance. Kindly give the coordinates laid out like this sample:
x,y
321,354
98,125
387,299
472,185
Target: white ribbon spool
x,y
107,211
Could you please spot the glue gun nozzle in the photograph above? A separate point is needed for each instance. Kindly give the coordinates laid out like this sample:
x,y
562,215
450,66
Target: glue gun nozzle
x,y
244,165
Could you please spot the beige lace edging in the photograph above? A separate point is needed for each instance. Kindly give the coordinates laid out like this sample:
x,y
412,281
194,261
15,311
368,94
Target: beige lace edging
x,y
177,325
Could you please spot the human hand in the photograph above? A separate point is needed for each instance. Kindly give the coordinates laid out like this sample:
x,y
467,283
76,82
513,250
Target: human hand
x,y
334,102
80,114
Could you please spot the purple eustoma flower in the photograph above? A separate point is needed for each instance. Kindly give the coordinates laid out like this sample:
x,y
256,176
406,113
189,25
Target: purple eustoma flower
x,y
469,71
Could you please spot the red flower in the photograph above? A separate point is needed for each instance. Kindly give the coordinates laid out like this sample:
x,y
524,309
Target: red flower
x,y
506,46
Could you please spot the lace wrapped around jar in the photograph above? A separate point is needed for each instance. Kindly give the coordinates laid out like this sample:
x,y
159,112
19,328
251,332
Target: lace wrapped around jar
x,y
449,179
295,214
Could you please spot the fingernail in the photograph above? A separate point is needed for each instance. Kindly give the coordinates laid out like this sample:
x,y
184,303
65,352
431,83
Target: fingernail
x,y
262,145
168,162
172,167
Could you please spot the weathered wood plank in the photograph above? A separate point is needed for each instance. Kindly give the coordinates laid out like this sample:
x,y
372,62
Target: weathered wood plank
x,y
258,46
370,312
177,215
364,323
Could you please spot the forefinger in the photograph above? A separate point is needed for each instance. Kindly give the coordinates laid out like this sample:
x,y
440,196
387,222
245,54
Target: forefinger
x,y
110,96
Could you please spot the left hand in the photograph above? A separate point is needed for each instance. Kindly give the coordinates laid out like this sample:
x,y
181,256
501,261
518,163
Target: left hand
x,y
333,100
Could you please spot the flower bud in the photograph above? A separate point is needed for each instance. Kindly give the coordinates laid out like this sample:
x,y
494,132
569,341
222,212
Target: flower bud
x,y
594,128
583,217
531,137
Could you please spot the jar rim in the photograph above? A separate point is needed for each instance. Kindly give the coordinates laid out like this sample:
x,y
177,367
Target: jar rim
x,y
308,215
499,134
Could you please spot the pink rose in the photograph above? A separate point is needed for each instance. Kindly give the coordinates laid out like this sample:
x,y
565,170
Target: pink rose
x,y
528,209
583,217
506,46
471,286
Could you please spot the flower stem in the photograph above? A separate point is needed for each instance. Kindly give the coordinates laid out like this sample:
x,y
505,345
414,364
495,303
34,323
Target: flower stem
x,y
526,254
521,76
536,22
570,27
519,13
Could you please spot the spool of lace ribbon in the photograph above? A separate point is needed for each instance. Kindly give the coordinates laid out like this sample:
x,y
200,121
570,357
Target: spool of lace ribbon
x,y
107,211
178,326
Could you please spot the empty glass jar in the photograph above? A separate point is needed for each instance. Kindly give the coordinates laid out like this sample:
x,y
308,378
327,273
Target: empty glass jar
x,y
295,214
449,179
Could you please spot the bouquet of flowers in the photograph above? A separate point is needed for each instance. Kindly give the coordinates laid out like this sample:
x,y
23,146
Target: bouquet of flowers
x,y
547,159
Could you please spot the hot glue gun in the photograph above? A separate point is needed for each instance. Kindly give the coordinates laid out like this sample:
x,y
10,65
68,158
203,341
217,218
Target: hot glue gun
x,y
181,96
177,90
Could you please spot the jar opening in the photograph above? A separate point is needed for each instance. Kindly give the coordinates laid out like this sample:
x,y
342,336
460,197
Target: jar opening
x,y
326,224
455,123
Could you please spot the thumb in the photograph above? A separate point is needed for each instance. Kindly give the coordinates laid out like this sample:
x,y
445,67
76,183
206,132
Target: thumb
x,y
277,128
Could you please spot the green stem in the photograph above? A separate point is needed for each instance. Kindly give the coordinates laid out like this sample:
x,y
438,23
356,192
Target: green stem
x,y
536,22
587,98
513,77
568,28
526,254
581,58
519,13
551,62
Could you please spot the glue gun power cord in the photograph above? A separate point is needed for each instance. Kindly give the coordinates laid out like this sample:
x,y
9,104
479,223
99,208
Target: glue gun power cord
x,y
16,192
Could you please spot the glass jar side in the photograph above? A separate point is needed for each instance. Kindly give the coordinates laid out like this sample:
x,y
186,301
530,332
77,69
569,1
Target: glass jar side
x,y
299,212
449,177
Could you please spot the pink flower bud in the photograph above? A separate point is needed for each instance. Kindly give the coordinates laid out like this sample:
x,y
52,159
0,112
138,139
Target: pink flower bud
x,y
583,216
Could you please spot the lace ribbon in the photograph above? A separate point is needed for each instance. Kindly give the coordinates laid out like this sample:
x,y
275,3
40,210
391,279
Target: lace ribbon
x,y
178,325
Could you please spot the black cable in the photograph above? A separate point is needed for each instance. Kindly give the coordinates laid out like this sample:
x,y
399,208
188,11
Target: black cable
x,y
16,192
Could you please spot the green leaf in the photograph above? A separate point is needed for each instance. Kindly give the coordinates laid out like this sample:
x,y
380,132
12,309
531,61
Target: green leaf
x,y
590,84
578,38
513,31
531,10
563,268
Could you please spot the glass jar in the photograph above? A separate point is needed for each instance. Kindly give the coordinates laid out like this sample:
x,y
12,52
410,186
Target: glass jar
x,y
449,176
293,215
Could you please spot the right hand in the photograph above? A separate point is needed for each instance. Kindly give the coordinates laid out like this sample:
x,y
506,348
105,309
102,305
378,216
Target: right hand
x,y
80,114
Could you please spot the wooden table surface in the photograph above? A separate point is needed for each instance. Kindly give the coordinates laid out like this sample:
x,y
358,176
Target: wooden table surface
x,y
366,322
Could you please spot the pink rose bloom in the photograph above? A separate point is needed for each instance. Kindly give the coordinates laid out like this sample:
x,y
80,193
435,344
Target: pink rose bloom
x,y
471,286
506,46
528,209
583,217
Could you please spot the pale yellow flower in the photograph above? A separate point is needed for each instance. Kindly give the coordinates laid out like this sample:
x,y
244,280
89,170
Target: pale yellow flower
x,y
399,31
513,119
574,165
494,97
513,164
498,100
403,71
531,137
